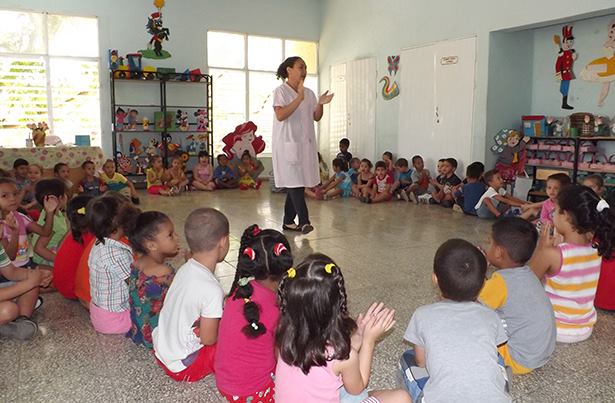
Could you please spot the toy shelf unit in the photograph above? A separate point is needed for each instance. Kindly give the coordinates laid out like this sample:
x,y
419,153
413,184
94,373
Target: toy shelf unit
x,y
593,159
160,113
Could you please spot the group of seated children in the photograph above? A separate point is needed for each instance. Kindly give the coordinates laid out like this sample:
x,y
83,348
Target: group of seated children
x,y
227,175
284,331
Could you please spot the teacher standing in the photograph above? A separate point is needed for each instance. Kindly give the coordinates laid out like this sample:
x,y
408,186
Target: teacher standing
x,y
294,150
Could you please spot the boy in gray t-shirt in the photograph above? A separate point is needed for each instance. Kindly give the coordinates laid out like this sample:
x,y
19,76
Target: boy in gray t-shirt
x,y
518,297
456,339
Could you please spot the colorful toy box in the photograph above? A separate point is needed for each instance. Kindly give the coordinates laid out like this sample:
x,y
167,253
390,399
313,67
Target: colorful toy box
x,y
534,126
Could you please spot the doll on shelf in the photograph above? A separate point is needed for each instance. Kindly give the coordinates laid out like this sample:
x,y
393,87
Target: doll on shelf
x,y
133,115
120,118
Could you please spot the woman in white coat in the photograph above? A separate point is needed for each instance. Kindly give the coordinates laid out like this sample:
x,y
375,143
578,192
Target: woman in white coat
x,y
294,149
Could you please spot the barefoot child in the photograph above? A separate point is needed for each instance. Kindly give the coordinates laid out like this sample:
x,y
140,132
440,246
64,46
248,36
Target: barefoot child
x,y
495,202
365,180
202,174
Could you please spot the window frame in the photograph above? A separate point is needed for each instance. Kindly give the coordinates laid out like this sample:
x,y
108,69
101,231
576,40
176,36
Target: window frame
x,y
246,70
47,57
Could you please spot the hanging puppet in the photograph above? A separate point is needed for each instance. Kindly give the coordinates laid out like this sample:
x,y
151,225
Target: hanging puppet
x,y
510,145
390,89
602,70
563,65
158,32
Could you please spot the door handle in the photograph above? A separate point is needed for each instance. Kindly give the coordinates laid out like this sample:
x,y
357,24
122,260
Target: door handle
x,y
437,115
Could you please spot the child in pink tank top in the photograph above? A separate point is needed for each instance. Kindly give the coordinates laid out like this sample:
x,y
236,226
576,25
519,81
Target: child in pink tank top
x,y
324,355
245,356
571,270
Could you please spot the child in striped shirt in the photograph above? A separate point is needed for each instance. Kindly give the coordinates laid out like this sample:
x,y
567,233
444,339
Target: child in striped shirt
x,y
571,269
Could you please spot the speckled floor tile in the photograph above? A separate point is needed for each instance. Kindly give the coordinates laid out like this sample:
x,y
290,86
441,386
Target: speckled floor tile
x,y
386,253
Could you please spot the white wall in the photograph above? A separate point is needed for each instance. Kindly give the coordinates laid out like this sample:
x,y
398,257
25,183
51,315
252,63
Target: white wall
x,y
353,29
121,26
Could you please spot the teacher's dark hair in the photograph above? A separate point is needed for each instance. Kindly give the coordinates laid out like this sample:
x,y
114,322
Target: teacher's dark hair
x,y
289,62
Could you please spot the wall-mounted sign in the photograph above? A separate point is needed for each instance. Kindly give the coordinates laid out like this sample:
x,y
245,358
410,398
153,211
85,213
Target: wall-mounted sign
x,y
446,60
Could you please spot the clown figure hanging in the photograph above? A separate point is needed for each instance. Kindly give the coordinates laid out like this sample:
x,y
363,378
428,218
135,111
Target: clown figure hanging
x,y
158,33
563,64
510,147
390,89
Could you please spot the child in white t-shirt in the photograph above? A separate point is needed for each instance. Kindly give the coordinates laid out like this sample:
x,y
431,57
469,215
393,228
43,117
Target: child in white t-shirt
x,y
187,332
495,202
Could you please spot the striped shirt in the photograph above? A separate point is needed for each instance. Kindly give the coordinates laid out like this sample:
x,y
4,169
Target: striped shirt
x,y
109,268
573,288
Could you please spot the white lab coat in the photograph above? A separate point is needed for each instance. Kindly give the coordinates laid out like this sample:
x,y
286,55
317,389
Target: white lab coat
x,y
294,150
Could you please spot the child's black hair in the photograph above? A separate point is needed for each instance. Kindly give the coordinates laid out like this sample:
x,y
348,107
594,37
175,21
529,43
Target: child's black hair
x,y
581,204
474,171
76,212
597,179
58,166
452,161
314,315
106,214
416,158
562,178
388,154
402,163
7,180
488,176
345,142
355,159
203,153
517,236
289,62
381,164
144,227
479,165
48,187
368,162
19,162
86,163
460,269
219,156
262,254
341,164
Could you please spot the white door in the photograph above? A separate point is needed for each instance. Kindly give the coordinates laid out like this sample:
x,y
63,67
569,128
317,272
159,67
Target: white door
x,y
437,100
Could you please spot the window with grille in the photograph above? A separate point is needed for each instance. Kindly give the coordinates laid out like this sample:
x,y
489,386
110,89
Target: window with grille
x,y
48,73
243,68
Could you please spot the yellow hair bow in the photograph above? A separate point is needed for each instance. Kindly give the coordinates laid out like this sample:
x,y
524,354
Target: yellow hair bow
x,y
329,268
246,300
291,272
81,211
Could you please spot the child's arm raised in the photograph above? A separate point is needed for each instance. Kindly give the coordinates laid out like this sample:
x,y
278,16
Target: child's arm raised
x,y
50,204
208,331
547,259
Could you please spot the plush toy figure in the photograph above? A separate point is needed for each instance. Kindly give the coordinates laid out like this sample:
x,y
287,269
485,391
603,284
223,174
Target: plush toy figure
x,y
120,117
243,139
145,124
133,115
39,132
135,147
124,163
510,146
602,126
555,127
152,148
201,120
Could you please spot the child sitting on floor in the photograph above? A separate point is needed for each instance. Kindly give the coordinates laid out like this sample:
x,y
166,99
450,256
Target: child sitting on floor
x,y
152,236
245,355
339,184
468,195
175,177
109,265
365,180
555,183
381,188
18,298
246,169
353,169
29,203
90,184
571,269
116,182
62,172
24,186
446,184
495,202
421,178
387,157
202,173
45,247
325,355
187,332
154,176
595,183
455,357
72,247
403,180
518,297
224,174
17,226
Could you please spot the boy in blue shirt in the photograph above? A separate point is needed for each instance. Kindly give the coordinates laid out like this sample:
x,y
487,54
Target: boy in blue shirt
x,y
471,191
403,179
224,174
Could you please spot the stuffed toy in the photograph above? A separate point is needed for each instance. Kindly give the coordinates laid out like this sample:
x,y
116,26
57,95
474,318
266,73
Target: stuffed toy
x,y
201,120
243,139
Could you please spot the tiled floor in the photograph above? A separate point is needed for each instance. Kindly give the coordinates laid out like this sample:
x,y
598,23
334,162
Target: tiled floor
x,y
385,252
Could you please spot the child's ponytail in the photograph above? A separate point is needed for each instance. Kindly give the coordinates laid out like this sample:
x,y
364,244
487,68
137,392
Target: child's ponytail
x,y
589,213
76,213
262,254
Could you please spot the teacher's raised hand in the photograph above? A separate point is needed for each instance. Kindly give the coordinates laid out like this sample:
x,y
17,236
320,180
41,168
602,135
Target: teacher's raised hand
x,y
325,98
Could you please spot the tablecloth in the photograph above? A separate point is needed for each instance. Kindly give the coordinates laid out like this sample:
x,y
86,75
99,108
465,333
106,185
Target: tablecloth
x,y
49,156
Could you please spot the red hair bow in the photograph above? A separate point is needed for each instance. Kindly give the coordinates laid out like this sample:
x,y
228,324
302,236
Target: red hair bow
x,y
256,231
249,252
279,248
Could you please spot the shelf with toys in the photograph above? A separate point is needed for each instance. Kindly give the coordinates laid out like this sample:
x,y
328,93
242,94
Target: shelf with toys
x,y
172,121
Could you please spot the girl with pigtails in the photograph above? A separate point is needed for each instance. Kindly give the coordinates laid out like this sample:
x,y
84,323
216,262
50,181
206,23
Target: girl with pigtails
x,y
245,356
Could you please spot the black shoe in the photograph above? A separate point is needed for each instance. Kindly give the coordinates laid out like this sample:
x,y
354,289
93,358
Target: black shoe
x,y
565,103
21,328
307,228
135,200
291,227
39,303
